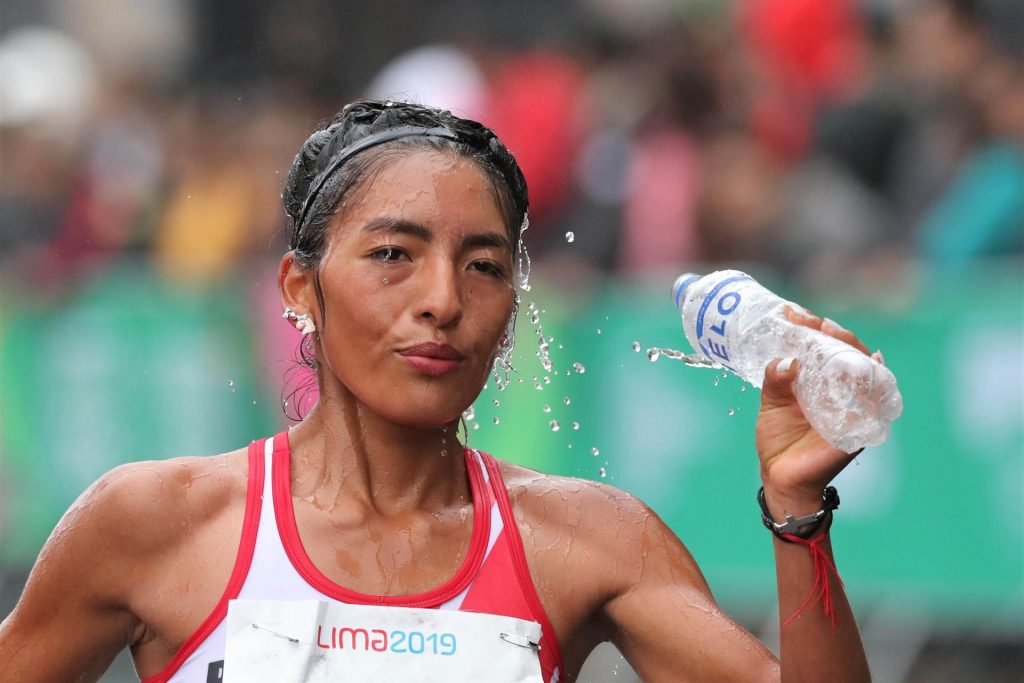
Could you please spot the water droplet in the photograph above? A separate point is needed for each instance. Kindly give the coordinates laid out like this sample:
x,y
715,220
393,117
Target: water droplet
x,y
715,382
254,402
743,387
554,425
496,421
469,414
653,354
566,400
547,409
547,380
579,367
599,330
443,453
730,412
385,281
725,375
576,426
476,425
570,237
594,452
603,472
538,386
496,403
636,346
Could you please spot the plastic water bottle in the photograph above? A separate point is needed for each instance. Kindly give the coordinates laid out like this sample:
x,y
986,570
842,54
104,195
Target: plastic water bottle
x,y
850,399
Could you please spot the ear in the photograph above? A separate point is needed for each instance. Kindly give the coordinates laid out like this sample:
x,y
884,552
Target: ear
x,y
296,286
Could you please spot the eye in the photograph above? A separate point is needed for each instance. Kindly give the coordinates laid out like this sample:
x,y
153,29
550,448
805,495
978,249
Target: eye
x,y
488,268
389,255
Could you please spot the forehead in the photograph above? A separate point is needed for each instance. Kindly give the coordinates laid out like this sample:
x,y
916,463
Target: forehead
x,y
434,188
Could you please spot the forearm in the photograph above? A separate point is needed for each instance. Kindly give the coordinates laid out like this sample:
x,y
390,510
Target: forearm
x,y
815,646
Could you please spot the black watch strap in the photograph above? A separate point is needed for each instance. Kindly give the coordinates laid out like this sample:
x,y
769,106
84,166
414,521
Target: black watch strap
x,y
804,527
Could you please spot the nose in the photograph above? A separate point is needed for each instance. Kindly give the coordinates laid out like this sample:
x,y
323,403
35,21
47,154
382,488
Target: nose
x,y
440,296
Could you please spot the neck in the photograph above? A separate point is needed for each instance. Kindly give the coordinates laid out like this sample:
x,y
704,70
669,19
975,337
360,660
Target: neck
x,y
344,454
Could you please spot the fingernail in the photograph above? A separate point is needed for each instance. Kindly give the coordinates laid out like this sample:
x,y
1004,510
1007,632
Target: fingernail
x,y
834,326
877,355
801,312
784,365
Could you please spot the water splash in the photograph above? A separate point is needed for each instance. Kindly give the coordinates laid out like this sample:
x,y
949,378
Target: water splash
x,y
694,360
543,343
523,258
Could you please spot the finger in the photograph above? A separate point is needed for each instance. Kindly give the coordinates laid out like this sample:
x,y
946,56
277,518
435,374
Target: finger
x,y
834,329
777,389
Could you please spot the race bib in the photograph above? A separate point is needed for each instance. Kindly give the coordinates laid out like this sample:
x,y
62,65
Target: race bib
x,y
313,641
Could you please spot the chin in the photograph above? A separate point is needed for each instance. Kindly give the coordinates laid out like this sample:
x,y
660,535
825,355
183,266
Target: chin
x,y
427,414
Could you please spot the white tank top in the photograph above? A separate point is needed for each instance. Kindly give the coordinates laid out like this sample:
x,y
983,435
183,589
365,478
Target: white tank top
x,y
272,565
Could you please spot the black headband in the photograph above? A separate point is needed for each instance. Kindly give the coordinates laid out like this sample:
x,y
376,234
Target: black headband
x,y
357,147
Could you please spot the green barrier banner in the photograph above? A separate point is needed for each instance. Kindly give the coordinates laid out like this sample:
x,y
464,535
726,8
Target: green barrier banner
x,y
932,520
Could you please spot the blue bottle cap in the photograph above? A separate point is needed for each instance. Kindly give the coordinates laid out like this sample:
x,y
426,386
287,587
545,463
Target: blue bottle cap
x,y
681,283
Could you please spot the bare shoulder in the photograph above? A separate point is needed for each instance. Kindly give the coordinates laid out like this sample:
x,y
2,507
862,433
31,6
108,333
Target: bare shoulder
x,y
145,506
136,512
106,565
581,503
589,524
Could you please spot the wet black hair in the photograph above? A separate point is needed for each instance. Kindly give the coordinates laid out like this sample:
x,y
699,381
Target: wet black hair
x,y
356,144
318,185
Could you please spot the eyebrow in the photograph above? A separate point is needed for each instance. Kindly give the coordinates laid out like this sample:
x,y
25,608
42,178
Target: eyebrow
x,y
405,227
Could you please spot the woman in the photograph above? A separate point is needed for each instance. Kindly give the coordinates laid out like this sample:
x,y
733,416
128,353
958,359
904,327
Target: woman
x,y
406,224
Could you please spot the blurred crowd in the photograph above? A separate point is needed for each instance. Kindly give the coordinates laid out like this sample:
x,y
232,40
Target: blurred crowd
x,y
813,136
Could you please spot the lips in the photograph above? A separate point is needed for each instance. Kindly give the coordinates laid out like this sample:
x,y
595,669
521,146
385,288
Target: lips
x,y
432,358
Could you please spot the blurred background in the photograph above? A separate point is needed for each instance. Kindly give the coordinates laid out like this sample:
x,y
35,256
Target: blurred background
x,y
862,157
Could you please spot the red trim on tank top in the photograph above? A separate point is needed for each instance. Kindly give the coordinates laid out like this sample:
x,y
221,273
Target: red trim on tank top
x,y
289,533
243,560
518,551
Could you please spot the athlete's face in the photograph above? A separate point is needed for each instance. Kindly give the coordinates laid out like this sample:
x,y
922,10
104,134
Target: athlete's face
x,y
416,282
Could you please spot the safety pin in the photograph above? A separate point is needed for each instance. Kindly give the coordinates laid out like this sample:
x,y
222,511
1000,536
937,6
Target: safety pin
x,y
272,632
521,641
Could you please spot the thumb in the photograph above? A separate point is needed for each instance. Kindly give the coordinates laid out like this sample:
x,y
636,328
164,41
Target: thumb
x,y
777,389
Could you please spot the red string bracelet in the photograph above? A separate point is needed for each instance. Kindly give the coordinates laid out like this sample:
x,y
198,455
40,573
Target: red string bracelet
x,y
822,587
799,530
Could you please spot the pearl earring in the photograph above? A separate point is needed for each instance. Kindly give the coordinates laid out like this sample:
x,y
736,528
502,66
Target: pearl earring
x,y
303,323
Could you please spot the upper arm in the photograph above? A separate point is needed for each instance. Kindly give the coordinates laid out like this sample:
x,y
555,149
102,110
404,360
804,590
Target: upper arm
x,y
73,617
662,616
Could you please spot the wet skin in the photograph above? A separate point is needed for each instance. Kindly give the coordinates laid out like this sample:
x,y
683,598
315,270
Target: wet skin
x,y
417,294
